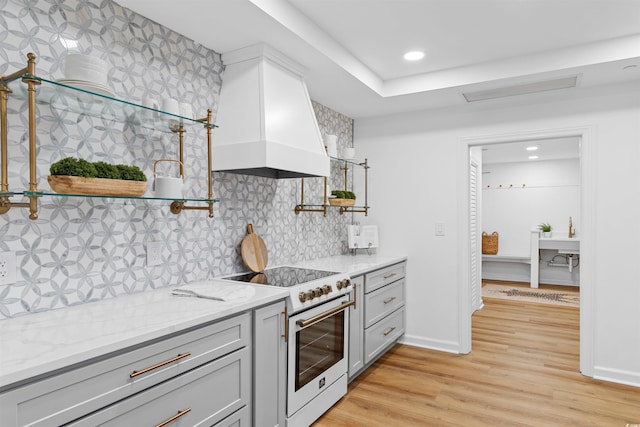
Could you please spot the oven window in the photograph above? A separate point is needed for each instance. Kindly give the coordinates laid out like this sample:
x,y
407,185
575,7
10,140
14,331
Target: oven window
x,y
319,347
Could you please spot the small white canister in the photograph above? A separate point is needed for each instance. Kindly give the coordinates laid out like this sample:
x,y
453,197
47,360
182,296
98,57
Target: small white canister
x,y
331,143
168,187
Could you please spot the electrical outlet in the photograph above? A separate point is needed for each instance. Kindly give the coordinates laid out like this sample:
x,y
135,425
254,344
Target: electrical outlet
x,y
7,268
439,228
154,253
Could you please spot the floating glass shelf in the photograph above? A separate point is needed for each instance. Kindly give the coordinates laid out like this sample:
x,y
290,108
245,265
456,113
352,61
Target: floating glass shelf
x,y
88,100
331,206
48,194
353,162
65,97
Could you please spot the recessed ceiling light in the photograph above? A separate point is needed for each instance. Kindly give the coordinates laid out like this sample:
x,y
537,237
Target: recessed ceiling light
x,y
533,157
414,55
532,148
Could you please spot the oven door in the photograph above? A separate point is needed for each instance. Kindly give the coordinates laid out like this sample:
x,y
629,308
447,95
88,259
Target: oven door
x,y
317,351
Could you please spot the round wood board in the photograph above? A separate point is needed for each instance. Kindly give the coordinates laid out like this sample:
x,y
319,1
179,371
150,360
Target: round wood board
x,y
254,251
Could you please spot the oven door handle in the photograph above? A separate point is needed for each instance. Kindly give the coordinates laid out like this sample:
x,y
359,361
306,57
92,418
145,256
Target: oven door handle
x,y
320,317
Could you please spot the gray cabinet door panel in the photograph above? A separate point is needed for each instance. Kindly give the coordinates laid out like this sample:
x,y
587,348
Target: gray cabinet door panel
x,y
210,393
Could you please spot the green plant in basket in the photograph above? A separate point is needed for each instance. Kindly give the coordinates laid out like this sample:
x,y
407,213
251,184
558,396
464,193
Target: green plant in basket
x,y
340,194
71,166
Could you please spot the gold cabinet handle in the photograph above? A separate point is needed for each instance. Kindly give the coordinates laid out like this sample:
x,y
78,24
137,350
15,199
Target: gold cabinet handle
x,y
159,365
320,317
286,324
175,417
355,296
388,276
388,331
388,300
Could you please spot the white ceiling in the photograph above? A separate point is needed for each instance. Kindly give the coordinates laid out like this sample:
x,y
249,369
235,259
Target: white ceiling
x,y
547,149
352,49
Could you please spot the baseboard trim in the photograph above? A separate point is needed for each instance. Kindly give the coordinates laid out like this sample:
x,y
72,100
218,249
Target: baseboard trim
x,y
431,344
617,376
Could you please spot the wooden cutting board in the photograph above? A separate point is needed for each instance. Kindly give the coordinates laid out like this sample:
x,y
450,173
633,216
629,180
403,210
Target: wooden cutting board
x,y
254,251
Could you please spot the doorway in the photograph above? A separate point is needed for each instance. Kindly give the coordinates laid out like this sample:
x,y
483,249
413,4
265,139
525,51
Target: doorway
x,y
469,278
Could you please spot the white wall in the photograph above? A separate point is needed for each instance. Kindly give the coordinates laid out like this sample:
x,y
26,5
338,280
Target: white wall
x,y
416,180
517,197
551,194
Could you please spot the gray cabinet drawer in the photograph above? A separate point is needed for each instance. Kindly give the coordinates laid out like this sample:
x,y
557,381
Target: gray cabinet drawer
x,y
382,334
205,396
242,418
383,301
384,276
67,396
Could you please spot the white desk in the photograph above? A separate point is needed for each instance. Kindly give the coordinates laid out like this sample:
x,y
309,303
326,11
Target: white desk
x,y
563,244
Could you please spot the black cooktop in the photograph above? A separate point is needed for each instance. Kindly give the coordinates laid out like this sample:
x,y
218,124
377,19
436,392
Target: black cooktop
x,y
282,276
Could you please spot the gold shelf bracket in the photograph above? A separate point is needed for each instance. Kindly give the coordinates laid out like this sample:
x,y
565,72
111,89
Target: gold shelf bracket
x,y
5,202
365,208
178,206
302,207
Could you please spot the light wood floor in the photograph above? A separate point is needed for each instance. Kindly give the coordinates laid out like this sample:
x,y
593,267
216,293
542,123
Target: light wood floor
x,y
523,371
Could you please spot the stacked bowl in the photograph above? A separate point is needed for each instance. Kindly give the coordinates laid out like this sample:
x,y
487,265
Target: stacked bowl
x,y
87,73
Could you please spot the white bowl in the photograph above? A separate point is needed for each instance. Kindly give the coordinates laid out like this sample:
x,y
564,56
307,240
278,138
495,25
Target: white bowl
x,y
85,68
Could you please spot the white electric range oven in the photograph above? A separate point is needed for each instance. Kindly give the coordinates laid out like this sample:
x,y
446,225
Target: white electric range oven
x,y
317,337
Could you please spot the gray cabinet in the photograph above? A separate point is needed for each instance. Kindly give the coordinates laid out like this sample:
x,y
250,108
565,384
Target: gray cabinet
x,y
207,369
381,320
356,328
382,335
204,396
383,301
270,352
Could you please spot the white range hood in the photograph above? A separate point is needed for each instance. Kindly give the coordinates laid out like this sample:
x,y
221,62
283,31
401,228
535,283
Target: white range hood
x,y
267,126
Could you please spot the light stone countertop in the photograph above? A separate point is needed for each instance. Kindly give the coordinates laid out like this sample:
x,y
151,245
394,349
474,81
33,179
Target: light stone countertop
x,y
353,265
37,344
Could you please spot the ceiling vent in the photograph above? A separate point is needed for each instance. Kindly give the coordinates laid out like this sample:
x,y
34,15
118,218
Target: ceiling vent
x,y
522,89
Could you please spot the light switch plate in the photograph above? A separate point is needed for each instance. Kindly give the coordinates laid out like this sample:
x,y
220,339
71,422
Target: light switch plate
x,y
154,253
439,228
7,268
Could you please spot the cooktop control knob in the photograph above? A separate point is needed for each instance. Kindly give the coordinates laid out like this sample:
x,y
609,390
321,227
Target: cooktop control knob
x,y
309,295
317,292
343,284
327,289
302,296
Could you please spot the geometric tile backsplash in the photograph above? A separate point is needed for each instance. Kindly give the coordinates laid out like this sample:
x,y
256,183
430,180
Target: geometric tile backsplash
x,y
86,249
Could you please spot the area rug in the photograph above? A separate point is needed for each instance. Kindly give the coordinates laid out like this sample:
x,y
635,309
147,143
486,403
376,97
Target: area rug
x,y
545,296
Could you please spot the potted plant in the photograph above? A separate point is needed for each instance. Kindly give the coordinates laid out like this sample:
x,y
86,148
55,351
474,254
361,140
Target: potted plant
x,y
78,176
342,198
545,227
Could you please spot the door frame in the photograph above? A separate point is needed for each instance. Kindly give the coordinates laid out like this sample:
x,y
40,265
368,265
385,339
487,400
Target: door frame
x,y
587,233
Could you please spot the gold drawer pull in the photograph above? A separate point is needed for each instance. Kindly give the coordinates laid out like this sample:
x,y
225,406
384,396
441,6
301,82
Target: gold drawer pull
x,y
388,331
175,417
159,365
388,276
388,300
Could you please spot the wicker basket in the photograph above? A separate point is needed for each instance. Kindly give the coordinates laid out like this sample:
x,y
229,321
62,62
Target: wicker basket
x,y
341,202
490,243
96,186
